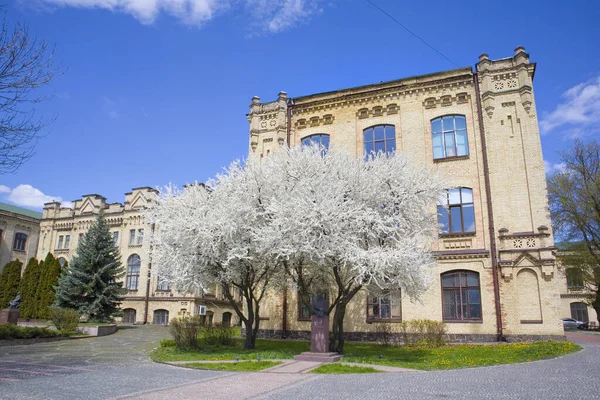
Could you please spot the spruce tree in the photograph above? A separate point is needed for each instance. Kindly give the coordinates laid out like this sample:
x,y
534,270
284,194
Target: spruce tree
x,y
90,285
46,295
10,277
28,289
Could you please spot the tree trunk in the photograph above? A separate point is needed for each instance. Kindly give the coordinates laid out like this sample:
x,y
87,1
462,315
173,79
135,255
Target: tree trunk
x,y
336,341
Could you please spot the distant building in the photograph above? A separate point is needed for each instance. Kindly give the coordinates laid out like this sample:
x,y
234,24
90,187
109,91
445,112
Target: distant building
x,y
149,299
19,233
496,272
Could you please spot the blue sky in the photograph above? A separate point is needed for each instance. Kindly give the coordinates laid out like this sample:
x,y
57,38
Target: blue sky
x,y
156,91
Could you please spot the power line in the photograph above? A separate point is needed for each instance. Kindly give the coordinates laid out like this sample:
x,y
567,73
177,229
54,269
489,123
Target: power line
x,y
411,32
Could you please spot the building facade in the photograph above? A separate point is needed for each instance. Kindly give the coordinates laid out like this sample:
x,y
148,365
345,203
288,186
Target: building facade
x,y
19,234
149,299
496,274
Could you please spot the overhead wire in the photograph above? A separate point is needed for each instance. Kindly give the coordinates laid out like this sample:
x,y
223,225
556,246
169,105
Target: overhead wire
x,y
411,32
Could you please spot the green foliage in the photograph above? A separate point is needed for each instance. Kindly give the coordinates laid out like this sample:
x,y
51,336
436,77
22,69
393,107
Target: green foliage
x,y
28,289
46,295
245,366
10,277
65,319
186,332
8,332
167,343
218,334
336,368
90,284
423,332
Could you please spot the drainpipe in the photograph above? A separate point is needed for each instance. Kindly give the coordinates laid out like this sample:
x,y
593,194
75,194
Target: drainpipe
x,y
147,299
285,303
289,120
492,230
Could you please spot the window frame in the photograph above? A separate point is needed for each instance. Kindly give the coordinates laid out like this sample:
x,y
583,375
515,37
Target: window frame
x,y
160,285
132,237
67,242
59,245
310,140
461,205
584,310
20,241
443,134
132,279
460,289
385,140
115,238
571,279
391,294
140,237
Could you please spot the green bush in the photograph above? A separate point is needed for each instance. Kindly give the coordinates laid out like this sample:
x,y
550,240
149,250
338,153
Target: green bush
x,y
8,332
423,332
185,332
167,343
218,334
65,319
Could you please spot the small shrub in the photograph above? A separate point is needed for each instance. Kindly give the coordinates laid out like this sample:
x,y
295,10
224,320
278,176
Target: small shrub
x,y
385,335
185,332
423,332
218,334
9,332
65,319
167,343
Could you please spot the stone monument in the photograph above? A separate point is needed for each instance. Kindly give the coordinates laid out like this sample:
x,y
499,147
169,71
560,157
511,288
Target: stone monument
x,y
11,315
319,333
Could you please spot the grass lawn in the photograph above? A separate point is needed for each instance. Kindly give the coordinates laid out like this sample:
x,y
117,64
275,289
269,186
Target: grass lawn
x,y
343,369
447,357
244,366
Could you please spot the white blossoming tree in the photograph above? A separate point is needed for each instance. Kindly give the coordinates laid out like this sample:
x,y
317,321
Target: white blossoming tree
x,y
327,220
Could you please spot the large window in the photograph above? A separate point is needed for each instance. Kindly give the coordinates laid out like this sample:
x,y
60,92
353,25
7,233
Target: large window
x,y
132,237
456,214
60,242
380,138
161,317
461,296
20,241
163,285
574,278
579,312
449,137
140,237
67,241
384,307
320,139
133,272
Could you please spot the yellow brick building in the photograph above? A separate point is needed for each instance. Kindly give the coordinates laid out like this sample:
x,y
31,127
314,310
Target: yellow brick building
x,y
496,273
149,300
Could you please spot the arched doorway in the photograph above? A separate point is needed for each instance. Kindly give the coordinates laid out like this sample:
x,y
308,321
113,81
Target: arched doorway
x,y
129,316
227,319
161,317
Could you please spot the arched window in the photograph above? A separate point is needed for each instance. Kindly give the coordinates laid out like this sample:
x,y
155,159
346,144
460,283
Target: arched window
x,y
161,317
129,316
62,261
133,272
20,241
379,138
579,311
320,138
461,296
449,137
226,320
457,214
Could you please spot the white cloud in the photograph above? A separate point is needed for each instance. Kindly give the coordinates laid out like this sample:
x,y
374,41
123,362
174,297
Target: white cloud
x,y
579,111
557,167
271,15
28,196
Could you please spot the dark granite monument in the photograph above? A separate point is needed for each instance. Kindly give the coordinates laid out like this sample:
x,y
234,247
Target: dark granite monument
x,y
11,315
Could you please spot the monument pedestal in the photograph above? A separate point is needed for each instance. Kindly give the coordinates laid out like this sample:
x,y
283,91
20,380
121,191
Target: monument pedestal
x,y
319,345
9,316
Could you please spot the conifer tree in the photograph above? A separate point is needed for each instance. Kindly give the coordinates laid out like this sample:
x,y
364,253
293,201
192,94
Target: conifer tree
x,y
90,284
46,295
10,277
28,289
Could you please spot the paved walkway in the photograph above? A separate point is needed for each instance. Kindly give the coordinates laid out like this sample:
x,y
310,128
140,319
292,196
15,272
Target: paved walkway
x,y
116,367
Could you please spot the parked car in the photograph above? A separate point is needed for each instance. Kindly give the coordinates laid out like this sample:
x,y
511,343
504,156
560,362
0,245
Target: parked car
x,y
571,323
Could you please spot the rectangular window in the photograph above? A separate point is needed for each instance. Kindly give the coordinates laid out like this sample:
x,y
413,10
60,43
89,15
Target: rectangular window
x,y
116,239
574,278
140,238
67,241
163,285
461,296
60,242
20,242
80,237
385,307
132,237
